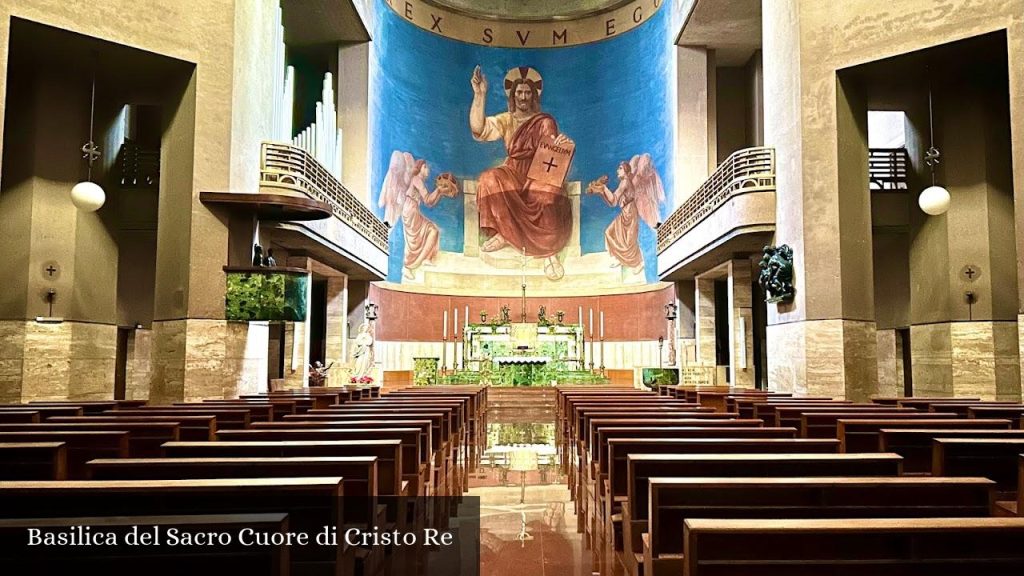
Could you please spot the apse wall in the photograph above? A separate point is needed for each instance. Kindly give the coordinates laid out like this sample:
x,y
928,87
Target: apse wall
x,y
612,95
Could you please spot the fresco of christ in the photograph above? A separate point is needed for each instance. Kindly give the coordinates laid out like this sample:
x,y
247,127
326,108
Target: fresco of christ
x,y
514,210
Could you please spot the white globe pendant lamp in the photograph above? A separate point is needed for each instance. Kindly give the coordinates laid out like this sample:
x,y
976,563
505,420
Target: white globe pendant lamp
x,y
934,200
88,196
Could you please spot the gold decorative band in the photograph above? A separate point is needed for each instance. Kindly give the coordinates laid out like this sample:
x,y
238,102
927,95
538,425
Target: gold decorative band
x,y
525,34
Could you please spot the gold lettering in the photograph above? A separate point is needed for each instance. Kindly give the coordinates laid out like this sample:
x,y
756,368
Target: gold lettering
x,y
564,36
609,27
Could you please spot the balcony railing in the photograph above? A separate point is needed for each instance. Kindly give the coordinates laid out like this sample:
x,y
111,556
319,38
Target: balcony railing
x,y
284,165
887,169
744,171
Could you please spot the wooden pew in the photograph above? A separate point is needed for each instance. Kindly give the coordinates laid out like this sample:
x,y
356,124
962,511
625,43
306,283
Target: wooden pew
x,y
765,409
675,500
144,438
226,418
994,458
45,411
962,409
269,559
792,415
310,502
388,454
191,428
642,467
863,434
358,473
33,461
80,446
625,453
826,424
915,444
448,468
88,407
279,407
925,404
854,547
258,411
413,469
19,417
1012,413
746,407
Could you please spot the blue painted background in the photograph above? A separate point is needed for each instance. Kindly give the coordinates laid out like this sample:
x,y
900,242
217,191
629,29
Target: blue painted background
x,y
615,98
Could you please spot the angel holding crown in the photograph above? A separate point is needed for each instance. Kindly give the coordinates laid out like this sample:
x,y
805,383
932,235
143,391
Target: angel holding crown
x,y
403,191
639,194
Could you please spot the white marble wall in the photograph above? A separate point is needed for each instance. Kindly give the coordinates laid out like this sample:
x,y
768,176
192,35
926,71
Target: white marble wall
x,y
979,359
890,364
836,358
56,361
197,359
138,365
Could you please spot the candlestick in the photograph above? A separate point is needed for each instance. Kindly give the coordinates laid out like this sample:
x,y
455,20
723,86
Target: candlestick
x,y
445,337
602,329
591,323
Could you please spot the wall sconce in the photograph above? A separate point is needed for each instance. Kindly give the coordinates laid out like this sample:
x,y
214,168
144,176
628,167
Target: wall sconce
x,y
370,311
671,311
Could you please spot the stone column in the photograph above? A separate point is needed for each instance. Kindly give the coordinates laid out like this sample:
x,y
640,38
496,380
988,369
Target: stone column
x,y
824,341
705,321
741,330
353,105
337,320
696,152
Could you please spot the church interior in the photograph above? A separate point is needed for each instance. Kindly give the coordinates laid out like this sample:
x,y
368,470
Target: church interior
x,y
504,287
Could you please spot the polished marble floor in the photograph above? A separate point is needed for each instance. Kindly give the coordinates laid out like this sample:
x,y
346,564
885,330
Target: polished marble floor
x,y
537,537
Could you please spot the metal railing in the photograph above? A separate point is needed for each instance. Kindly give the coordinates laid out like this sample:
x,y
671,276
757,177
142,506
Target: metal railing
x,y
888,169
747,170
285,165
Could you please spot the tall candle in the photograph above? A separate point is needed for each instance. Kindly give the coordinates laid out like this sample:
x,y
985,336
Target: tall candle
x,y
602,324
445,325
455,325
465,321
590,323
581,317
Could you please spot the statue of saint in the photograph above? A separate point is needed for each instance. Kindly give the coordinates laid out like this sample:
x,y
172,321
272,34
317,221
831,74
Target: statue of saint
x,y
362,355
513,209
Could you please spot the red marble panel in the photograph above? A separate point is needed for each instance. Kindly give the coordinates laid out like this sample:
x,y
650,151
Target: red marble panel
x,y
412,317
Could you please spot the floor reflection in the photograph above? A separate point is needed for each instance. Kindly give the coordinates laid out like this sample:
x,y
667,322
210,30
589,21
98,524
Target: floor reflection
x,y
537,537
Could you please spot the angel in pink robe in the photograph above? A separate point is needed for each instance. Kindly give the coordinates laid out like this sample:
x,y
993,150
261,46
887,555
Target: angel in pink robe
x,y
403,191
639,194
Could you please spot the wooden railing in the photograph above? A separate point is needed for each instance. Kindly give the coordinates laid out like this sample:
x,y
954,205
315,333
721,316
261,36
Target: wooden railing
x,y
888,168
747,170
284,165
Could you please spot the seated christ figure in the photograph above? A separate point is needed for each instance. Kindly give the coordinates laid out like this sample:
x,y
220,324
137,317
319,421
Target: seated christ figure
x,y
514,210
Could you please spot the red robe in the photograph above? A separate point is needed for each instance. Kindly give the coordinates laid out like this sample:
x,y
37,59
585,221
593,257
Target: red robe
x,y
525,212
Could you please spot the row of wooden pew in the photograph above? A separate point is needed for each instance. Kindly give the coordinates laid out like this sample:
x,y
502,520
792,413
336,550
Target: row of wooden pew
x,y
291,461
743,482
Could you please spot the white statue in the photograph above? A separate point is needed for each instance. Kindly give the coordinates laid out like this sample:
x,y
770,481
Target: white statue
x,y
362,355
